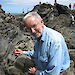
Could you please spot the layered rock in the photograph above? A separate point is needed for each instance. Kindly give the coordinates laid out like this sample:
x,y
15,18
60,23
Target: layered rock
x,y
13,35
60,18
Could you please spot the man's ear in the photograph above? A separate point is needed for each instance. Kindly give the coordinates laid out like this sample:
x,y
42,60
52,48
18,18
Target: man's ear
x,y
42,21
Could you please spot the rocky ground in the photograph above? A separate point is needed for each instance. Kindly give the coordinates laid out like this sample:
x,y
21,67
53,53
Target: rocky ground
x,y
14,35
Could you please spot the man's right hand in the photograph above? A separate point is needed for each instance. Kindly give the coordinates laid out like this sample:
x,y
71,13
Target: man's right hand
x,y
17,51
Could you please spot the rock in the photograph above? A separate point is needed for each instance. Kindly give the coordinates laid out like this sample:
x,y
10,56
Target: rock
x,y
14,35
71,69
23,63
58,17
1,20
18,65
2,71
72,54
12,70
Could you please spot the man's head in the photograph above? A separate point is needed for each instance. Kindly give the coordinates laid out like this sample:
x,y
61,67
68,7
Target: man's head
x,y
34,23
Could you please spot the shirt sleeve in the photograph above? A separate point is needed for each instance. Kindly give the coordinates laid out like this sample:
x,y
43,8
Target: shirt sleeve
x,y
54,61
29,53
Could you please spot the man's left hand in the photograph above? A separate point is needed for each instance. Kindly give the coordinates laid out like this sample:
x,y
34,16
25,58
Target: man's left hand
x,y
32,70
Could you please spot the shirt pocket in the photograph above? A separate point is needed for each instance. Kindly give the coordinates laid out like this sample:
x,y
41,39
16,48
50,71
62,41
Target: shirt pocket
x,y
43,59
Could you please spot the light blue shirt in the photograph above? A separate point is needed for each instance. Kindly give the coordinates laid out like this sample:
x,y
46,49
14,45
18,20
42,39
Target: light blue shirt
x,y
50,53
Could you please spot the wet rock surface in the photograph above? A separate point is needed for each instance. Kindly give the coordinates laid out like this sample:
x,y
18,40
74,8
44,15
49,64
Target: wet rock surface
x,y
13,35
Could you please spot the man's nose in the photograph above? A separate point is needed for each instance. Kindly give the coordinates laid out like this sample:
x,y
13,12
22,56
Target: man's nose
x,y
32,30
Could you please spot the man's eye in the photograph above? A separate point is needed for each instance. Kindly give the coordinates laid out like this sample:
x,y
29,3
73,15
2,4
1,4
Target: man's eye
x,y
34,25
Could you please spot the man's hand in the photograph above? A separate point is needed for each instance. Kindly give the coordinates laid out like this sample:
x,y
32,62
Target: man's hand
x,y
32,70
17,51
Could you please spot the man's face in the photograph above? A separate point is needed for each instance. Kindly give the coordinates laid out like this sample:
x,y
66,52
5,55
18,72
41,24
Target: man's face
x,y
34,26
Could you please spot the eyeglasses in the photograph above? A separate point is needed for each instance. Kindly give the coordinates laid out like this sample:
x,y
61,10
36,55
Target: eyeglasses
x,y
33,26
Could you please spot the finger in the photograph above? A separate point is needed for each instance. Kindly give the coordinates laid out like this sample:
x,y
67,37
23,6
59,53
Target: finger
x,y
29,71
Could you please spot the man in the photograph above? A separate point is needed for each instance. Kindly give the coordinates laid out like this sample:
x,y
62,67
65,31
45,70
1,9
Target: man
x,y
50,51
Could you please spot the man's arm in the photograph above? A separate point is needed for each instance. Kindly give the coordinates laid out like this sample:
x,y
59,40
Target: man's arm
x,y
29,53
19,51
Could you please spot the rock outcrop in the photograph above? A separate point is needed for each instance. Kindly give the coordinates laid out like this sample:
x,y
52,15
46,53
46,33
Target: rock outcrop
x,y
59,17
13,35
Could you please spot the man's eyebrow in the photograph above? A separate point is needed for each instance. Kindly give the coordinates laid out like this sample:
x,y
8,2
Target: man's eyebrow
x,y
34,25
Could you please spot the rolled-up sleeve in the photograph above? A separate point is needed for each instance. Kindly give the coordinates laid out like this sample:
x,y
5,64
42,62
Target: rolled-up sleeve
x,y
29,53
